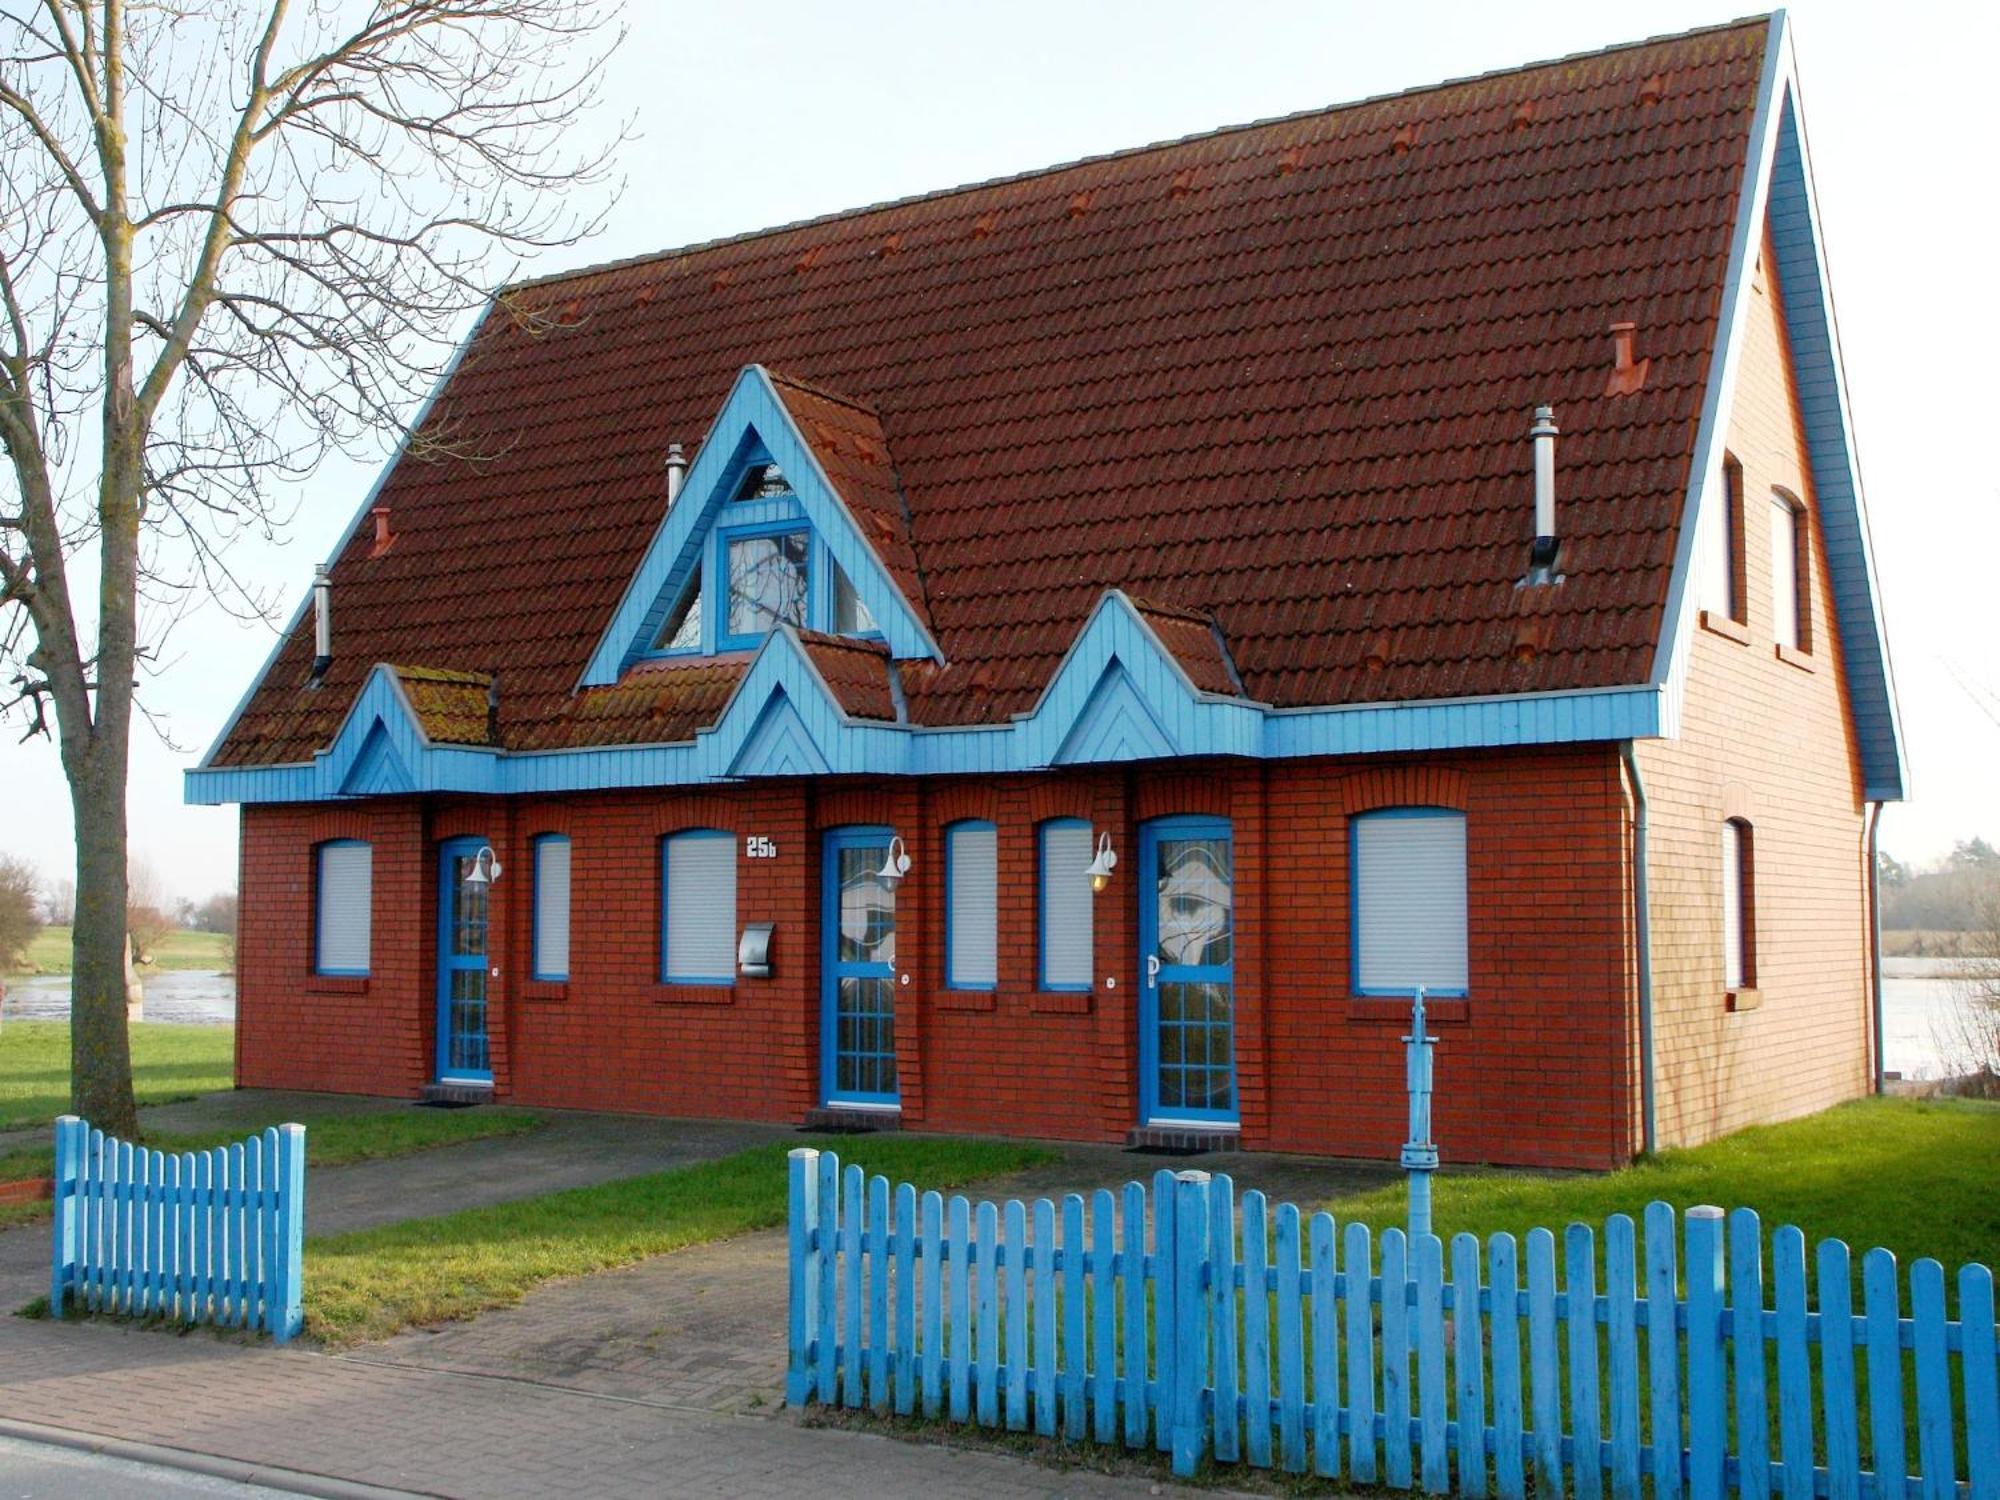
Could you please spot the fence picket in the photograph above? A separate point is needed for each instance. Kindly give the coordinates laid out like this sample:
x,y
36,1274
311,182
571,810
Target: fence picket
x,y
1104,1305
1621,1293
1291,1352
959,1257
933,1314
1708,1419
203,1168
878,1293
1468,1365
1229,1423
1586,1466
131,1235
1396,1358
905,1258
1137,1343
1076,1309
1746,1287
1664,1452
802,1309
1432,1415
1935,1451
1014,1255
829,1277
1360,1357
1509,1441
986,1319
1044,1353
218,1231
1840,1415
1982,1382
1165,1323
853,1219
1256,1338
1190,1339
242,1158
1885,1373
1543,1371
1326,1345
1795,1424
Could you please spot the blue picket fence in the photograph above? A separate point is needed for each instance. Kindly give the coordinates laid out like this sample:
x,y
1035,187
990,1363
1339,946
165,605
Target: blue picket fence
x,y
200,1237
1281,1341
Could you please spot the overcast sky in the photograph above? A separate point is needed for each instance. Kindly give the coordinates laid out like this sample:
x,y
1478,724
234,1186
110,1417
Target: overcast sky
x,y
751,116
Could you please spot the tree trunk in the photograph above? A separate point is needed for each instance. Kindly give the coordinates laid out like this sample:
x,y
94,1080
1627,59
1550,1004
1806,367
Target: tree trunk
x,y
99,1047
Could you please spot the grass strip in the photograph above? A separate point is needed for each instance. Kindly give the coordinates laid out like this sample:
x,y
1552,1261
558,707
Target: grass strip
x,y
369,1283
169,1063
1918,1176
49,952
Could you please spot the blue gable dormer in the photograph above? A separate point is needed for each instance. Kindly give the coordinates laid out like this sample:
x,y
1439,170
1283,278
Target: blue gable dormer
x,y
797,537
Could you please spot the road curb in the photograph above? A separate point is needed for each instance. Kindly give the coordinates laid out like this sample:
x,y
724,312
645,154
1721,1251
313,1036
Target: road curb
x,y
270,1476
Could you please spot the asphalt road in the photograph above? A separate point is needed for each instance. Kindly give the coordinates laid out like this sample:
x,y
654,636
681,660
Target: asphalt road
x,y
38,1471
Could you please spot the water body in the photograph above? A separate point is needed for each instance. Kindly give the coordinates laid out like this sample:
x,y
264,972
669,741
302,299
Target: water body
x,y
185,995
1918,996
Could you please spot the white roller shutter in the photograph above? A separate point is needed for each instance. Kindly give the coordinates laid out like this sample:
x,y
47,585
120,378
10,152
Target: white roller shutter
x,y
346,892
1409,901
701,908
1066,906
1732,906
1784,572
552,908
973,854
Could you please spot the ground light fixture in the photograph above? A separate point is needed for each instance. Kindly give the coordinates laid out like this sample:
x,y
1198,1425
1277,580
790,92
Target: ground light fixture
x,y
1102,866
896,866
485,867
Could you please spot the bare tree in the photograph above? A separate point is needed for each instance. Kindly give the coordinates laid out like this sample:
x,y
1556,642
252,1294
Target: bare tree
x,y
20,912
1967,1034
233,237
148,909
59,901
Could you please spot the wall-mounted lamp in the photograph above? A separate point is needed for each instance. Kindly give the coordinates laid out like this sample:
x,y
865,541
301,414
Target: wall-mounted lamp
x,y
896,866
485,867
1102,866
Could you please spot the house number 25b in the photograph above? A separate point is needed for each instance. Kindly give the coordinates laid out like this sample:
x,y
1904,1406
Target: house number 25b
x,y
756,846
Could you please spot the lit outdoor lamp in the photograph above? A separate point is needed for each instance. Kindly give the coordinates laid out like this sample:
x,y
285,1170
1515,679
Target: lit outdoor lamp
x,y
896,866
485,867
1102,866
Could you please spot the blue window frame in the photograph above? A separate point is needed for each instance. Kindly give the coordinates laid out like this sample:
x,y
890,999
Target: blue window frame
x,y
698,907
552,908
343,901
1064,906
763,576
1407,907
858,975
971,905
1187,942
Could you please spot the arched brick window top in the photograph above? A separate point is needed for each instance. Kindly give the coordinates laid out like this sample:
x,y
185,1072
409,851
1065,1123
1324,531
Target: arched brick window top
x,y
1403,786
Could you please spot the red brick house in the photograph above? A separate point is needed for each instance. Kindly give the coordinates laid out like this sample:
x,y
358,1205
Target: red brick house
x,y
1070,655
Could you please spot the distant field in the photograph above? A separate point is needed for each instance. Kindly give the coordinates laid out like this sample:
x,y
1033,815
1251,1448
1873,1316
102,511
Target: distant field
x,y
180,949
1923,942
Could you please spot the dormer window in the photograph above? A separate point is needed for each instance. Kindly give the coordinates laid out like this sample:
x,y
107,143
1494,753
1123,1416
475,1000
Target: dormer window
x,y
763,482
770,583
682,632
850,615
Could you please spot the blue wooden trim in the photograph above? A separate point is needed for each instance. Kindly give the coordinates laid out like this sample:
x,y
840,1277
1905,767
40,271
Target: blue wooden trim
x,y
447,964
1042,980
1354,899
951,831
1150,835
667,975
319,912
1116,642
538,845
832,970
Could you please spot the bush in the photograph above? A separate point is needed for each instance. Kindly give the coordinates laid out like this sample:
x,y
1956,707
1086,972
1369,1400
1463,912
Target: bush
x,y
20,910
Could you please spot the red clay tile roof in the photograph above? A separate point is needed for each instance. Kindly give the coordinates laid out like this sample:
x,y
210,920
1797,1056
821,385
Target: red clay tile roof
x,y
658,702
855,672
451,707
1280,375
1194,641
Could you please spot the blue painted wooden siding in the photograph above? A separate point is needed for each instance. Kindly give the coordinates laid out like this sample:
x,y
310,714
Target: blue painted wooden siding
x,y
1119,695
1272,1340
211,1236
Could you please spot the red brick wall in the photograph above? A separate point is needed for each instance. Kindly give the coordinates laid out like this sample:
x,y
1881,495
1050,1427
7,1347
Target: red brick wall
x,y
1531,1067
1770,741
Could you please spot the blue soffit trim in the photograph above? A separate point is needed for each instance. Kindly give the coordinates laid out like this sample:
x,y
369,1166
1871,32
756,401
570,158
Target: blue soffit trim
x,y
753,417
1778,189
1117,692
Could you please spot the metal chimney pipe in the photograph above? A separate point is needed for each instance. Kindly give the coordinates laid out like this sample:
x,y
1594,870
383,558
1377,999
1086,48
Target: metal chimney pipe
x,y
322,621
1544,433
676,471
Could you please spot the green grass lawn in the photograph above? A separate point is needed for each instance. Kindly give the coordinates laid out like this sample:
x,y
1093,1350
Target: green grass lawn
x,y
1919,1176
168,1063
49,953
368,1284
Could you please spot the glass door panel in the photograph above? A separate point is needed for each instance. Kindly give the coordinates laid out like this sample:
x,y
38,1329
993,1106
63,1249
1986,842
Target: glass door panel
x,y
858,1030
1188,1008
463,908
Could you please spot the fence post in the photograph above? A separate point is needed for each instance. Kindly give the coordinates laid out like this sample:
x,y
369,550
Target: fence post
x,y
803,1165
1708,1418
1190,1331
287,1289
70,1137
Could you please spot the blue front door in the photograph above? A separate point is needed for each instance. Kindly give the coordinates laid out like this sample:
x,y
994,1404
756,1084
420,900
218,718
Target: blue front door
x,y
461,1018
857,970
1187,940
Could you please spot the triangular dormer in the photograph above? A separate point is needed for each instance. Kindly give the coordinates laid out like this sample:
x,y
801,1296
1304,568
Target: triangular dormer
x,y
789,515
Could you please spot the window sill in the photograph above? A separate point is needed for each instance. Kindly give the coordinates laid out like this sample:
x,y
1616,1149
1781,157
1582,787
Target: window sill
x,y
1742,1000
965,1000
1060,1002
1791,656
545,989
336,984
1397,1008
694,994
1728,629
